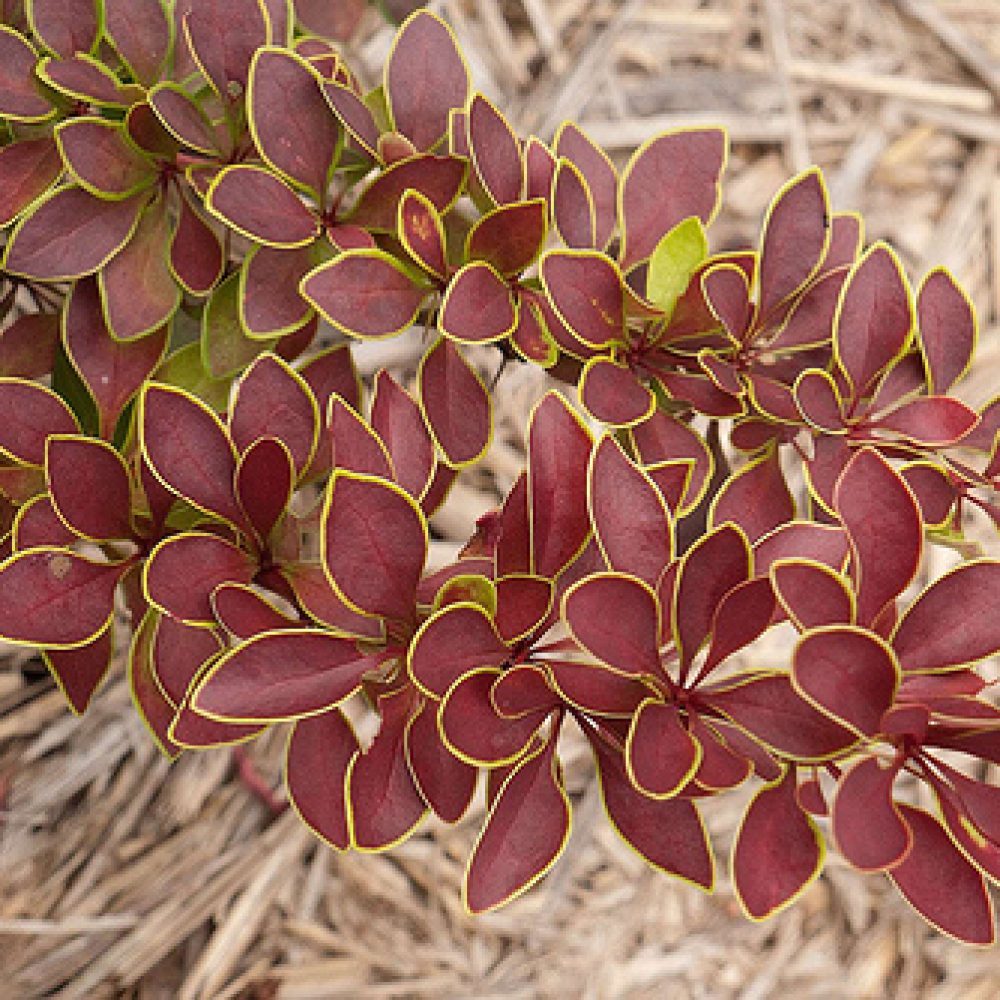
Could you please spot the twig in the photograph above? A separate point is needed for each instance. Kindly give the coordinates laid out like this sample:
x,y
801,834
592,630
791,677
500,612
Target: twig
x,y
578,86
481,72
711,21
847,184
545,33
629,132
983,128
502,41
971,55
961,214
70,926
735,38
847,77
798,144
994,222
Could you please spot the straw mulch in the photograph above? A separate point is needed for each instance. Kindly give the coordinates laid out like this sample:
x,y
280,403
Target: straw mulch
x,y
123,876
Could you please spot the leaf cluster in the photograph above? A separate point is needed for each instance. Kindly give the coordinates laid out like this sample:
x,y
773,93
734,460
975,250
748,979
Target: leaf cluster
x,y
205,209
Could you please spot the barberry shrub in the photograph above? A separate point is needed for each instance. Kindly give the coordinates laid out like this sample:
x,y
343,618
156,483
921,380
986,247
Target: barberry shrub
x,y
192,191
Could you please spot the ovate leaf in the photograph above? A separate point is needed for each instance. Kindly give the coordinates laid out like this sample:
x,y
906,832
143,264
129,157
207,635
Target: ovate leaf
x,y
573,207
941,884
374,541
778,851
455,403
585,289
597,171
27,169
954,622
883,524
141,33
290,120
510,237
262,207
139,292
365,293
669,178
477,306
353,113
183,118
89,485
223,36
183,571
265,477
875,318
673,262
383,801
613,394
319,751
100,159
948,329
56,599
285,674
354,446
272,400
661,756
425,77
20,96
813,595
616,618
396,419
713,566
188,449
795,239
558,453
29,413
849,673
631,521
195,251
421,231
496,155
525,832
70,233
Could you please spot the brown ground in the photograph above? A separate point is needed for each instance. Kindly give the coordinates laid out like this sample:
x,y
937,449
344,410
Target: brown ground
x,y
124,876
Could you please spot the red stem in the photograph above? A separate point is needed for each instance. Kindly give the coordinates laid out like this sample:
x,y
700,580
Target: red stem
x,y
254,781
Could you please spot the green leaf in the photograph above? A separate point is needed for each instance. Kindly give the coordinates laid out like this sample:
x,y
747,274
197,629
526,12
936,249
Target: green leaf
x,y
67,384
674,261
183,368
225,348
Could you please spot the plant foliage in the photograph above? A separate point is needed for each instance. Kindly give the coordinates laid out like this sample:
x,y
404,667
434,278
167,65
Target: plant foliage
x,y
190,189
